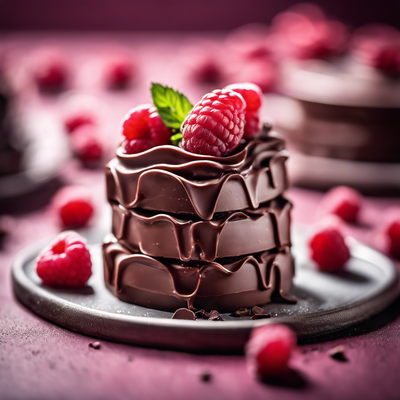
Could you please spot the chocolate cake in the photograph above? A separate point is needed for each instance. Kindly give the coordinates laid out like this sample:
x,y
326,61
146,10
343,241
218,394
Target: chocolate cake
x,y
198,231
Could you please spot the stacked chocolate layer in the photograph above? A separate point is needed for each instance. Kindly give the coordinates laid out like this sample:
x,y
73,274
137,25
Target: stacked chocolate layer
x,y
199,231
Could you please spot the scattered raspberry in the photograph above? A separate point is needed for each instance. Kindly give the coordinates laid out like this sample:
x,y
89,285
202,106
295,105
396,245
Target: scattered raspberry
x,y
119,72
50,70
136,123
74,206
269,349
66,262
215,125
393,232
329,250
251,93
137,145
76,120
87,144
208,71
159,133
342,201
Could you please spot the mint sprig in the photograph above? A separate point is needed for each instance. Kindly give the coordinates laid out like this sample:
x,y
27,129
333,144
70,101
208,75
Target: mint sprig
x,y
172,105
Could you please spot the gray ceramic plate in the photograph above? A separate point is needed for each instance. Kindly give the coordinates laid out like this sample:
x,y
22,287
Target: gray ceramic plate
x,y
326,303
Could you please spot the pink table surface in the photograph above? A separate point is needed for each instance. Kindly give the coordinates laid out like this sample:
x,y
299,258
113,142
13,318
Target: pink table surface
x,y
39,360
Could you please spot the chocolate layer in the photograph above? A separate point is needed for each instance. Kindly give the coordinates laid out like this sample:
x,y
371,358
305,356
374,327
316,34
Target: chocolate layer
x,y
169,179
232,234
225,285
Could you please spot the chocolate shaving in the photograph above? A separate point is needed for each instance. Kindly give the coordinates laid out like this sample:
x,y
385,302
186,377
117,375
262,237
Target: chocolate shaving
x,y
184,313
203,314
215,316
242,312
259,313
205,377
338,354
95,345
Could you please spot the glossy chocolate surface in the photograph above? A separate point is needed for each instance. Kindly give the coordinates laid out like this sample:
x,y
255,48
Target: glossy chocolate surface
x,y
169,179
168,284
230,235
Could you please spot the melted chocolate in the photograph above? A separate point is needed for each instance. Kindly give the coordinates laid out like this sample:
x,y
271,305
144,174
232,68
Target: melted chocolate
x,y
225,284
235,234
170,179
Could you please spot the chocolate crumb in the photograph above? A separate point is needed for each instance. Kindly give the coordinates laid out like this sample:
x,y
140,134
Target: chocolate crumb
x,y
242,312
338,354
205,377
95,345
184,313
259,313
215,316
203,314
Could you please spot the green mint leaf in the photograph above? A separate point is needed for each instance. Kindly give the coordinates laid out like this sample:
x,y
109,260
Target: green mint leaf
x,y
176,139
173,106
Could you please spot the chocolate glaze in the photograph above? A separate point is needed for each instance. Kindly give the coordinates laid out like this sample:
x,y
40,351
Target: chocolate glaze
x,y
225,285
170,179
233,234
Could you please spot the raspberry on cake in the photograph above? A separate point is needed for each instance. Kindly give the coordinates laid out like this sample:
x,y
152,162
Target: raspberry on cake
x,y
215,125
198,225
66,262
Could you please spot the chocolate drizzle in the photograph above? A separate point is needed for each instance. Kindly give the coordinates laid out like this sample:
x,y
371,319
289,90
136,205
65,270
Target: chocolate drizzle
x,y
170,284
236,233
167,178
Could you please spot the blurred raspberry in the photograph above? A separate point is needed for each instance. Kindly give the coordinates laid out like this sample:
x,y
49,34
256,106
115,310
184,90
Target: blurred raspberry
x,y
379,47
388,238
159,133
136,145
215,125
207,70
74,206
78,119
66,262
328,249
50,69
269,350
136,123
119,72
342,201
304,32
87,144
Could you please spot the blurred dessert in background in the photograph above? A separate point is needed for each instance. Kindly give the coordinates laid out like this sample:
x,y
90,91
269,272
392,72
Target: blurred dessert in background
x,y
340,109
11,153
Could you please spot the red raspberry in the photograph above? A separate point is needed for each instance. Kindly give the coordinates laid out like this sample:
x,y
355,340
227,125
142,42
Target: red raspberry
x,y
50,69
119,72
329,250
252,125
87,145
76,120
137,145
251,93
215,125
393,232
386,59
136,123
66,262
207,70
74,206
269,349
159,133
342,201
